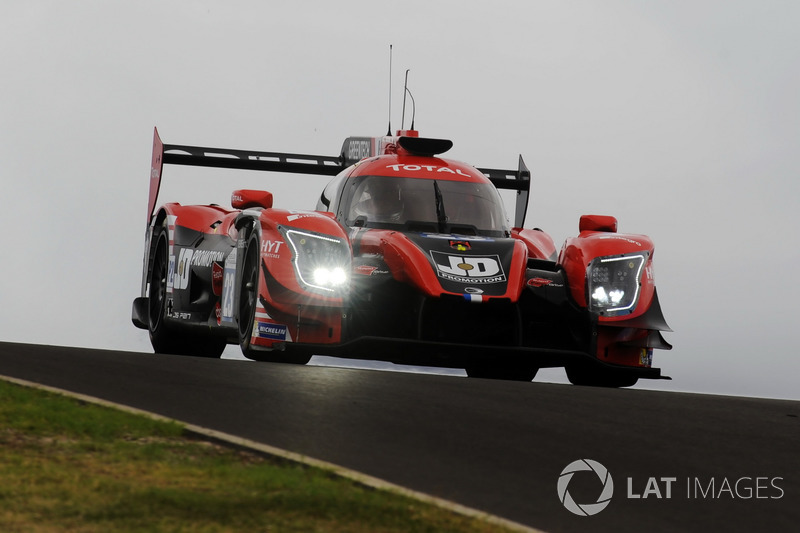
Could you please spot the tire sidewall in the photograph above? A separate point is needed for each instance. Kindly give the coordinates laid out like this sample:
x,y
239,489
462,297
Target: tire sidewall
x,y
246,316
158,291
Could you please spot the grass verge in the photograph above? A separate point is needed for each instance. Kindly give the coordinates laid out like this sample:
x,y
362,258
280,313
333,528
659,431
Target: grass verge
x,y
68,465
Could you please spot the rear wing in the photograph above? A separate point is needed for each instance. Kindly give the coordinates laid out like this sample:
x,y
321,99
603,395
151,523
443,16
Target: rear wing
x,y
178,154
353,150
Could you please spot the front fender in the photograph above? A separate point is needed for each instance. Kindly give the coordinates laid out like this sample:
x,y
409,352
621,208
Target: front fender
x,y
578,253
278,258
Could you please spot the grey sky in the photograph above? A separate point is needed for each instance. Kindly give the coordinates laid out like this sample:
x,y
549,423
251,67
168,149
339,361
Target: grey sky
x,y
679,118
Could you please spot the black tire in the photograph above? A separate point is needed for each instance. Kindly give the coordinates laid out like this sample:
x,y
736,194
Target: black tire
x,y
248,301
596,376
163,337
248,294
160,336
505,371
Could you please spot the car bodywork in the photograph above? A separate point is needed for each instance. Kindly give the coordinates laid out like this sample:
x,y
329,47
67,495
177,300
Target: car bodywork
x,y
408,257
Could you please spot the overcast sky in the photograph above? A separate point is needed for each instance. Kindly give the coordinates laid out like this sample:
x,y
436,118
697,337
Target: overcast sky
x,y
679,118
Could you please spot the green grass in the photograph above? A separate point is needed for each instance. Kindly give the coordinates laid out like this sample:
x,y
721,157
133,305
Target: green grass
x,y
68,465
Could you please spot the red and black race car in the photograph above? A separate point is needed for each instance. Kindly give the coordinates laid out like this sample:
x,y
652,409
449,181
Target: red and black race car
x,y
408,258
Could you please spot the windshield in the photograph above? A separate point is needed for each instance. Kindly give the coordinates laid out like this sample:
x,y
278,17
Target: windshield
x,y
424,205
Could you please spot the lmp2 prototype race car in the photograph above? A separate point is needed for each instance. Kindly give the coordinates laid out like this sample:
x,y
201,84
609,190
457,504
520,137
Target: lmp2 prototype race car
x,y
408,258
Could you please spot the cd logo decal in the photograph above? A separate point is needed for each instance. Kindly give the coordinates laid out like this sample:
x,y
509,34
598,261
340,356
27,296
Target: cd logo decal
x,y
469,268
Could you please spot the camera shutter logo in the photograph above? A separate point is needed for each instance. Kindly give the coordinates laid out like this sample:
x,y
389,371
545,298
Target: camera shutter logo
x,y
586,509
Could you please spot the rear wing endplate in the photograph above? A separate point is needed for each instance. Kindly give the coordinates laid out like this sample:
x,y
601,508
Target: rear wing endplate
x,y
519,180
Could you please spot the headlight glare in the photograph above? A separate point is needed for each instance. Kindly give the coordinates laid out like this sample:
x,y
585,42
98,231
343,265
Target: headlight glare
x,y
330,276
614,282
321,262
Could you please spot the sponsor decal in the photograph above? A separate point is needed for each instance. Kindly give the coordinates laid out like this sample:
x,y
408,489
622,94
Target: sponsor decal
x,y
358,149
468,268
365,270
171,273
646,357
455,237
302,214
228,286
205,258
271,331
461,246
427,168
271,248
620,238
473,290
179,315
543,282
181,278
217,277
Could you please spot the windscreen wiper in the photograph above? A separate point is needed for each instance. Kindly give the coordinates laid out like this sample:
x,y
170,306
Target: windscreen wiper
x,y
441,216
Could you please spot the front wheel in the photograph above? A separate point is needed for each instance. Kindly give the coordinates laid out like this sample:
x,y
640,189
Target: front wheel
x,y
248,294
248,301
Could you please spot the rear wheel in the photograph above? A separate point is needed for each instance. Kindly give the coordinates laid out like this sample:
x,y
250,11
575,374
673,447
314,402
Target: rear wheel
x,y
248,301
160,337
597,376
163,337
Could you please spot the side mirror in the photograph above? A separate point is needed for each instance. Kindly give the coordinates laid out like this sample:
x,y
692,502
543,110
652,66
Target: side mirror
x,y
598,223
247,198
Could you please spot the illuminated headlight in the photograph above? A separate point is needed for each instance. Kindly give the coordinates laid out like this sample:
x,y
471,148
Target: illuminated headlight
x,y
330,276
613,283
321,262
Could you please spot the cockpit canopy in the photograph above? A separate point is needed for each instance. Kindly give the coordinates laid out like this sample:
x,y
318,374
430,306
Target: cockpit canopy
x,y
424,205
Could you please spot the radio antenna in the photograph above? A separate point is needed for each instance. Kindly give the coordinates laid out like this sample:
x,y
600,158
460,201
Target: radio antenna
x,y
389,132
405,91
413,104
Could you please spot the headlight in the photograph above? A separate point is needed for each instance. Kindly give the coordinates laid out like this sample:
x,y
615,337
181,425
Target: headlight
x,y
613,283
321,262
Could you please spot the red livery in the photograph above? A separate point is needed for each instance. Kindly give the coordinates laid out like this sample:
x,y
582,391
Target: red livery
x,y
408,257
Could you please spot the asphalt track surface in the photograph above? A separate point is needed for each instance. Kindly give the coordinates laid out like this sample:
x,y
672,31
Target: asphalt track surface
x,y
495,446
